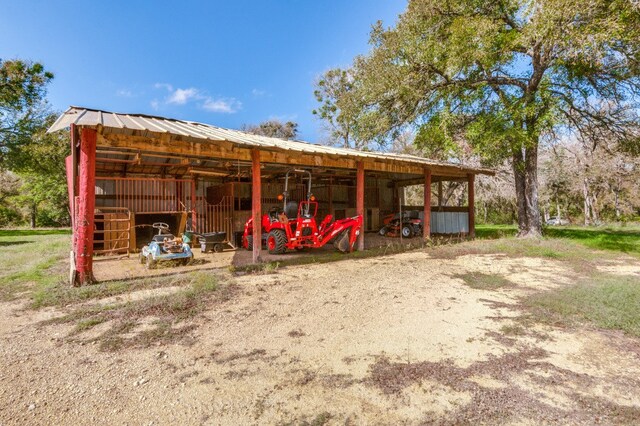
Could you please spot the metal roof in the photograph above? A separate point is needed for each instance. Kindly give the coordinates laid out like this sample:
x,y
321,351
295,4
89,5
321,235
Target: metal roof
x,y
141,123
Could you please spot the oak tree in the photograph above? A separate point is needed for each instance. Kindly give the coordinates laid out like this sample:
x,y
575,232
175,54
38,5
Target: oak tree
x,y
504,75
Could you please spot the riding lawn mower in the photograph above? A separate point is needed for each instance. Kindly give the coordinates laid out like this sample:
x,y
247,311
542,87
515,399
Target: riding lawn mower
x,y
410,226
166,247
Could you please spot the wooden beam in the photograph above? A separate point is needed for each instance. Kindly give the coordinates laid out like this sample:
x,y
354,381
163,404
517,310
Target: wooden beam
x,y
472,197
440,194
86,208
360,200
256,205
420,180
426,221
225,150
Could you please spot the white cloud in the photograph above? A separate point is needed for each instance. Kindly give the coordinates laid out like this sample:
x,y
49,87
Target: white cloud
x,y
163,86
258,92
227,106
182,96
124,93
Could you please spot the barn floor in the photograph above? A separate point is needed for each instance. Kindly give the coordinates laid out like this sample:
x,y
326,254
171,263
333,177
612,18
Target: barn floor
x,y
113,269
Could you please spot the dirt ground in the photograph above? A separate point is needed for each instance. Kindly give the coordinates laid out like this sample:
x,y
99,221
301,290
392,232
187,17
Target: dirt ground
x,y
398,339
110,268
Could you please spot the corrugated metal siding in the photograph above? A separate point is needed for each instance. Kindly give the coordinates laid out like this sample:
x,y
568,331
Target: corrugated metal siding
x,y
449,222
136,123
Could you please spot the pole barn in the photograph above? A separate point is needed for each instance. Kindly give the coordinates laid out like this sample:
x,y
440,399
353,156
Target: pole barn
x,y
128,170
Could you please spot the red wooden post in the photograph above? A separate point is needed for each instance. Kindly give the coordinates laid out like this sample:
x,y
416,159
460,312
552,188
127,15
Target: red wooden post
x,y
360,200
256,204
426,221
472,216
74,188
86,207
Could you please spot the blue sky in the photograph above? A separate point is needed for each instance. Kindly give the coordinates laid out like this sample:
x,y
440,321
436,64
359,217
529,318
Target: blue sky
x,y
225,63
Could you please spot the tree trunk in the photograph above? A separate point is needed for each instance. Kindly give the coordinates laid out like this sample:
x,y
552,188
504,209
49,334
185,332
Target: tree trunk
x,y
33,214
595,214
534,223
519,178
525,170
585,194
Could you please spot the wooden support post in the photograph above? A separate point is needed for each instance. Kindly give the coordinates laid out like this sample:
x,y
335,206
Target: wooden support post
x,y
256,204
426,221
360,200
86,208
194,205
331,196
472,216
439,194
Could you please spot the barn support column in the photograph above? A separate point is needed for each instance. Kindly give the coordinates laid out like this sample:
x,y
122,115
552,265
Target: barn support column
x,y
256,204
472,197
360,200
86,208
194,204
426,221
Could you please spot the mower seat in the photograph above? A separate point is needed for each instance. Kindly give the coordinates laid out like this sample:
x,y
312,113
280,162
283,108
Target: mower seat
x,y
161,238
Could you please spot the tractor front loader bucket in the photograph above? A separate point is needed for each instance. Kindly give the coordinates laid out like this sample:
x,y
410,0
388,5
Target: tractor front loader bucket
x,y
342,241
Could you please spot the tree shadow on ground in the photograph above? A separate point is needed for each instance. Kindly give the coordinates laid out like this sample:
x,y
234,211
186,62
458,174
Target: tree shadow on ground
x,y
507,401
31,232
14,243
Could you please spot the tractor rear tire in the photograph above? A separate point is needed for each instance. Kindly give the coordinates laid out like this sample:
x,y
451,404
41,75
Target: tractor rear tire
x,y
277,241
249,242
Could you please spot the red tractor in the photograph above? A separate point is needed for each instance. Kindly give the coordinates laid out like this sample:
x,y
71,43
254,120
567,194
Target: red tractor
x,y
294,227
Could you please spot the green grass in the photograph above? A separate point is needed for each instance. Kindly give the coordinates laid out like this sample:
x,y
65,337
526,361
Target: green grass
x,y
480,281
616,239
575,254
31,260
33,232
607,301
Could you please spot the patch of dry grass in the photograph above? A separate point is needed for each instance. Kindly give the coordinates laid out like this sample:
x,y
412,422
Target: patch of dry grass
x,y
482,281
167,311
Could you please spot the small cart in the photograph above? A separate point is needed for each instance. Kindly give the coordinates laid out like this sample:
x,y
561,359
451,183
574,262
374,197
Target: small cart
x,y
215,241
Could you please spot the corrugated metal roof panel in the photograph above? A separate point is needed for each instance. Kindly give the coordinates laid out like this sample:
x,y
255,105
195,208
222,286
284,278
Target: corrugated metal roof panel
x,y
140,122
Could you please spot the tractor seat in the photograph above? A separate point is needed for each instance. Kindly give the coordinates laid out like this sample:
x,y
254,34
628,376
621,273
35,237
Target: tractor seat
x,y
291,209
160,238
273,213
